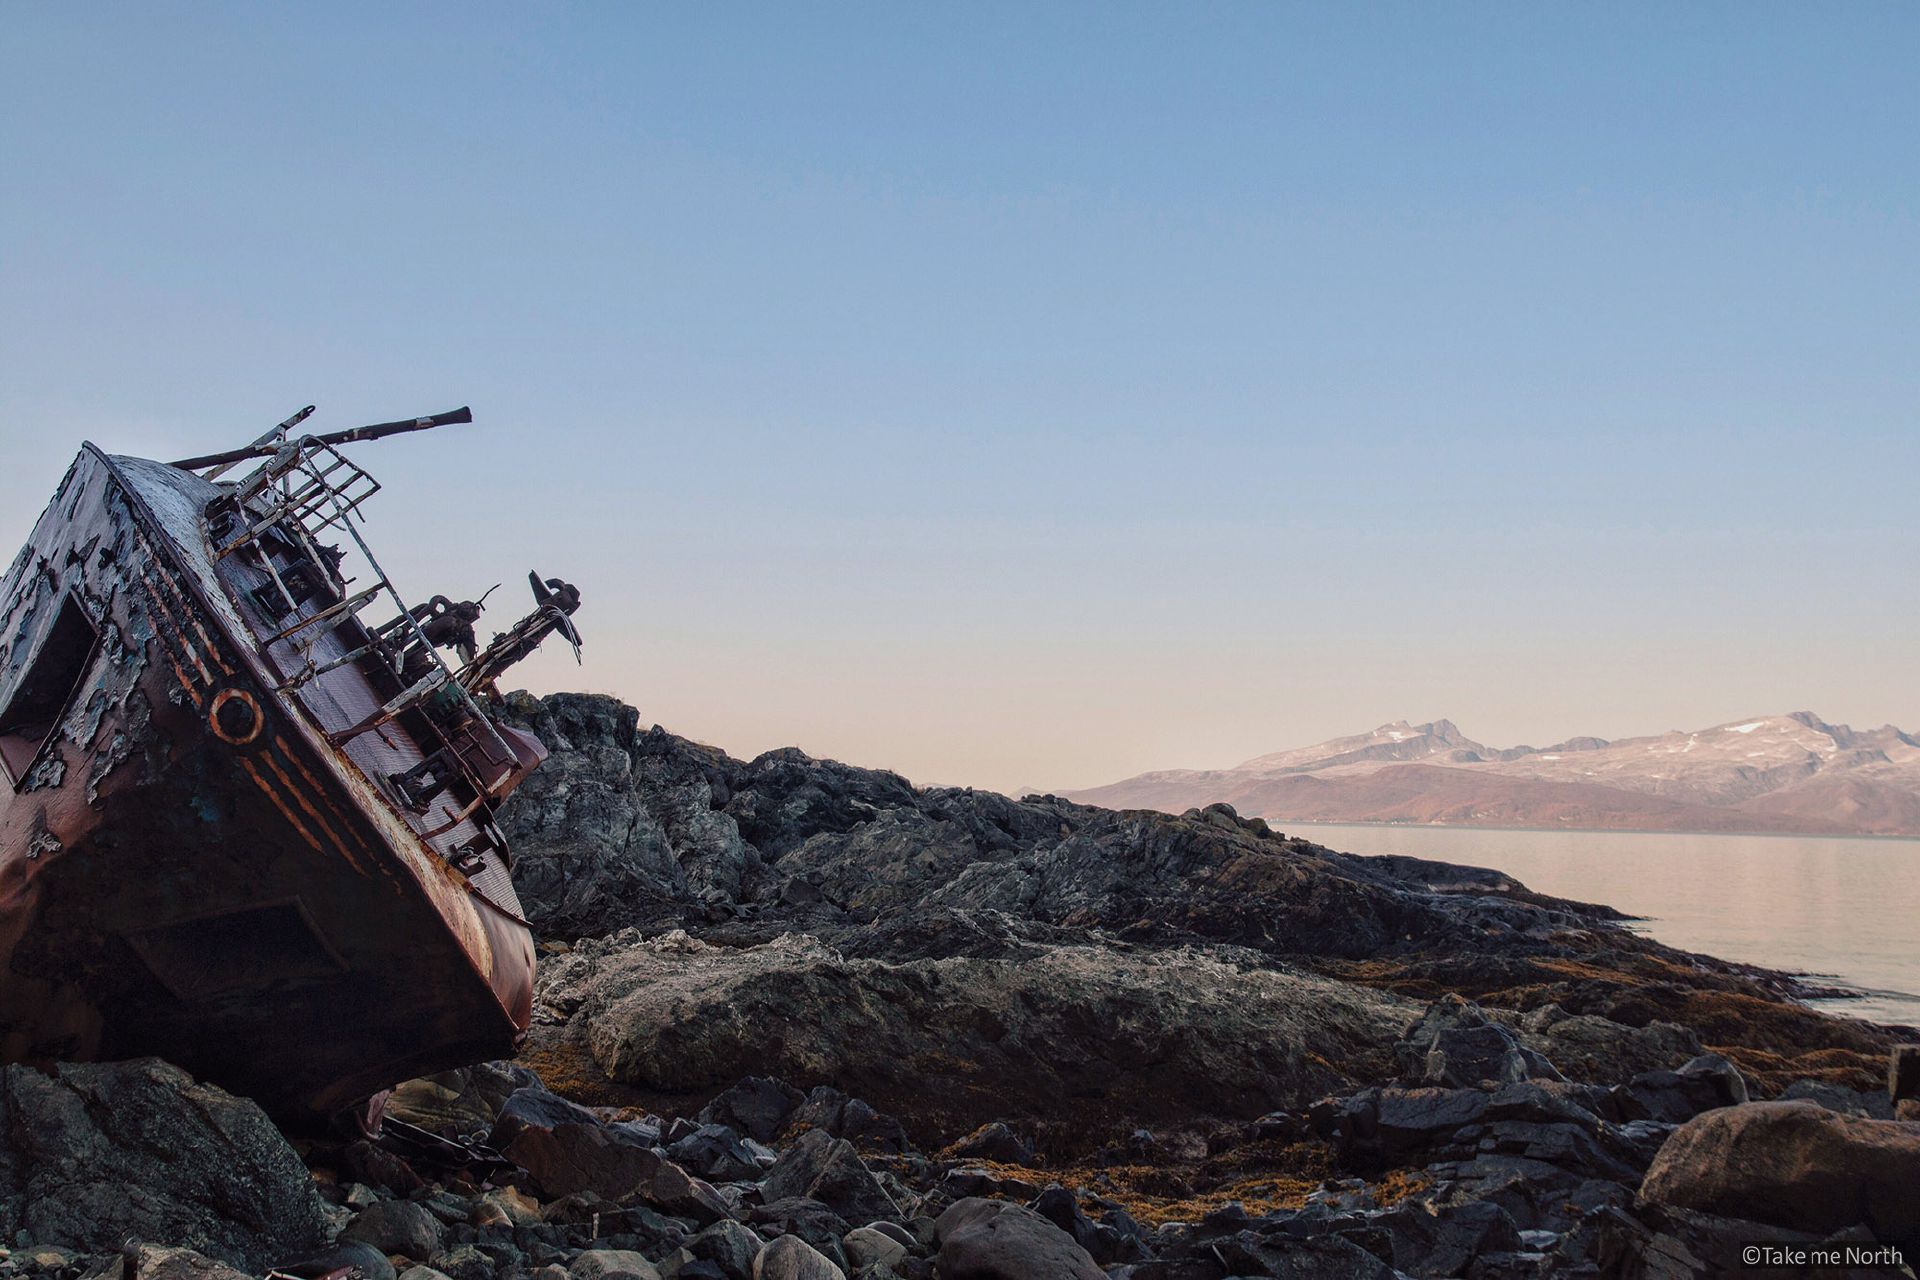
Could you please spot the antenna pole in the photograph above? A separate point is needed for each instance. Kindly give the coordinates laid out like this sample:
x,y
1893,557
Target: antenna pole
x,y
269,444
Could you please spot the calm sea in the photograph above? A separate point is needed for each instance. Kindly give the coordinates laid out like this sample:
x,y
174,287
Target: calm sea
x,y
1845,910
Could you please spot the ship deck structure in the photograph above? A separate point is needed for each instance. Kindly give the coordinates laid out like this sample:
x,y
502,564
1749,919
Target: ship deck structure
x,y
247,791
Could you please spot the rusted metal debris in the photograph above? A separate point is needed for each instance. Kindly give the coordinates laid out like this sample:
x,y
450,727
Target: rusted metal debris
x,y
246,804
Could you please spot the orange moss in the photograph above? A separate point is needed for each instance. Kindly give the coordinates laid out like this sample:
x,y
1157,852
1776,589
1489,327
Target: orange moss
x,y
1261,1176
1256,1195
1397,1184
1768,1072
571,1072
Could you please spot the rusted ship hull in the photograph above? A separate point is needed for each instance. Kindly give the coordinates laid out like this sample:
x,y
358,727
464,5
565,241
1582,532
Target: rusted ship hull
x,y
196,862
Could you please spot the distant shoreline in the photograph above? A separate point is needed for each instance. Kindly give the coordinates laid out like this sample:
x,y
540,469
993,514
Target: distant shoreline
x,y
1597,831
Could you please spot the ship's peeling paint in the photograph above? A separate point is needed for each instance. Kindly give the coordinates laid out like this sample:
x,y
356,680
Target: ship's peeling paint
x,y
118,673
51,771
135,736
20,647
43,841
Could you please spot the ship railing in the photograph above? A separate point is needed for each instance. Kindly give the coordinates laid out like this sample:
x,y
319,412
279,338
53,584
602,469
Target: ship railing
x,y
306,489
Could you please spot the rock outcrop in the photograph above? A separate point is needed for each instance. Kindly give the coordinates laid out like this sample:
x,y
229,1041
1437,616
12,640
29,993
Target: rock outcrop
x,y
802,1021
1527,1177
631,827
1797,1165
1066,1032
101,1153
993,1240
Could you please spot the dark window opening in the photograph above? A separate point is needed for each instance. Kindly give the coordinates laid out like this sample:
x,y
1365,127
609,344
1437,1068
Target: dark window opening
x,y
31,715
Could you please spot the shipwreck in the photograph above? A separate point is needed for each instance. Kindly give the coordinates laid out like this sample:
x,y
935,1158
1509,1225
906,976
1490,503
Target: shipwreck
x,y
247,790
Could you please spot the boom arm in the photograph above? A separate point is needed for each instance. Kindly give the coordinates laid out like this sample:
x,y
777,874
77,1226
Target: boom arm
x,y
377,431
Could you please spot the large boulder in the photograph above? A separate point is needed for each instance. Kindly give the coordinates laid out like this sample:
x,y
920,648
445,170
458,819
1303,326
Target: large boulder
x,y
1441,1241
1903,1073
807,1219
1674,1097
167,1262
993,1141
1793,1164
791,1258
398,1226
714,1151
867,1246
1454,1044
994,1240
1547,1123
756,1106
826,1169
1095,1034
1591,1047
729,1247
93,1155
612,1264
569,1151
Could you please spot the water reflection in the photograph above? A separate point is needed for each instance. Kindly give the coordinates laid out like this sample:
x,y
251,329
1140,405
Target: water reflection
x,y
1843,909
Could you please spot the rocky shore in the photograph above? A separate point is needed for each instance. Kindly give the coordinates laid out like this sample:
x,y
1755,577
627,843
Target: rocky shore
x,y
797,1019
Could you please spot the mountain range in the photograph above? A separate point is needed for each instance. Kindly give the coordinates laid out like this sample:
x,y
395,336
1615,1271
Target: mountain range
x,y
1786,774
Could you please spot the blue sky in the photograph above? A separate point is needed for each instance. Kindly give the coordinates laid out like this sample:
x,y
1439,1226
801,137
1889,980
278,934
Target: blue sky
x,y
1035,394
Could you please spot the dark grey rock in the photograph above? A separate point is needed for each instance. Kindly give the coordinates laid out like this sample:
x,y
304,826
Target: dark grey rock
x,y
1903,1072
1109,1242
730,1247
1249,1253
398,1226
1454,1044
568,1151
756,1106
715,1152
994,1141
1045,1035
617,818
1430,1242
463,1262
91,1155
1795,1165
164,1262
568,1154
1873,1104
697,1269
791,1258
866,1245
1674,1097
826,1169
534,1106
612,1264
354,1255
829,1109
810,1220
993,1240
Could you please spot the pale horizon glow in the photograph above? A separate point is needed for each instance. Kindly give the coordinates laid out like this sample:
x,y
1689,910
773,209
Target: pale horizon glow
x,y
1034,398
